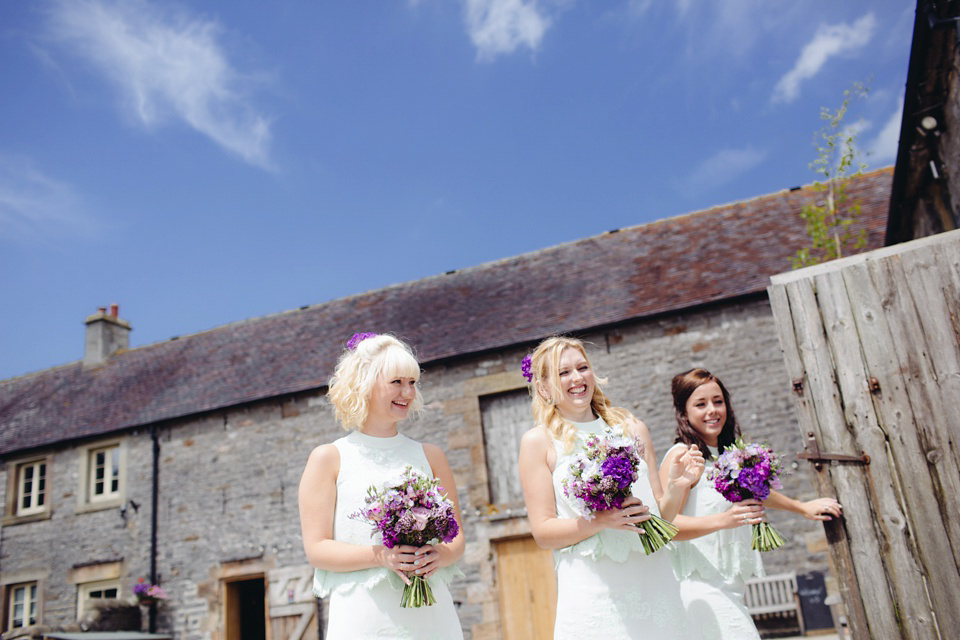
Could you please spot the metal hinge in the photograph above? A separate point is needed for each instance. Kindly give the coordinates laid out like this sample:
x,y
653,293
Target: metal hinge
x,y
813,454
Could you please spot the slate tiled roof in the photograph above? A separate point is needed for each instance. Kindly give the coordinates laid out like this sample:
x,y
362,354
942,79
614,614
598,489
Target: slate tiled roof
x,y
677,263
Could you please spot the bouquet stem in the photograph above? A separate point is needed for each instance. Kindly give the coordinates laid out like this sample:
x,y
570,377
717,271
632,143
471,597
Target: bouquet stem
x,y
417,594
765,538
658,533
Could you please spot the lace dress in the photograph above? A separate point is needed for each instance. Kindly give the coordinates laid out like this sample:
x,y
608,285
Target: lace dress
x,y
713,568
366,604
607,588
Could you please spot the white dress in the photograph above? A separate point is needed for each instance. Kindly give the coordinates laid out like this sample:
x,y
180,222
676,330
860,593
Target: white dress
x,y
607,588
713,568
366,604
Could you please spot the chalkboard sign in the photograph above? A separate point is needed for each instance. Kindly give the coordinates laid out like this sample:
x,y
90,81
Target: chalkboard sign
x,y
813,592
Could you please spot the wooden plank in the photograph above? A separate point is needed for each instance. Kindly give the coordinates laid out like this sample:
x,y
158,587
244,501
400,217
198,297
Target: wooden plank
x,y
528,589
920,244
886,511
934,279
505,418
917,436
851,484
836,530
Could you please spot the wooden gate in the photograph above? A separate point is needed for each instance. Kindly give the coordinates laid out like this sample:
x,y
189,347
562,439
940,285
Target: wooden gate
x,y
292,605
872,347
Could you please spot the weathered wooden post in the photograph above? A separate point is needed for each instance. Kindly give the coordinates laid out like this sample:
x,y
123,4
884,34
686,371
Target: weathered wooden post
x,y
872,348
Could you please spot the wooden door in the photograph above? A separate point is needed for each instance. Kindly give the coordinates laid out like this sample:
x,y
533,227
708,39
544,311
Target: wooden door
x,y
872,348
528,589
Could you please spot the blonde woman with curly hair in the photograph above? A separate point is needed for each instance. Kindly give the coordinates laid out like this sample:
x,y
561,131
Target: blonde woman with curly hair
x,y
607,587
373,388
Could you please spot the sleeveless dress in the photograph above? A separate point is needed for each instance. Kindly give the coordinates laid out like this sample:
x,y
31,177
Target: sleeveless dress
x,y
712,568
607,588
366,603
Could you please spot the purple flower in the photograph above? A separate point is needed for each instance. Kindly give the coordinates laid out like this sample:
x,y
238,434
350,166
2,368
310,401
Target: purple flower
x,y
601,476
146,591
619,469
526,368
746,471
358,338
411,511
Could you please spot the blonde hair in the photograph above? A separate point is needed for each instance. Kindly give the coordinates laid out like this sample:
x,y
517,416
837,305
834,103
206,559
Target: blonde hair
x,y
545,367
359,369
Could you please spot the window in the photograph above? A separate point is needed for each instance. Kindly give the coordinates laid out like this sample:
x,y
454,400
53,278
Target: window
x,y
28,490
31,488
92,592
104,473
22,605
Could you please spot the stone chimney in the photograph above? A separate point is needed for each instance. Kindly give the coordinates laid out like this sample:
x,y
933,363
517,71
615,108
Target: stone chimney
x,y
106,335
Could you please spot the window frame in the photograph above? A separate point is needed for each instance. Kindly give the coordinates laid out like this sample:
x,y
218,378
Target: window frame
x,y
87,498
13,512
10,592
84,600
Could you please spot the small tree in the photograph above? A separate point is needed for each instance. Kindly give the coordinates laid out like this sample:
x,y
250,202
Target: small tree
x,y
829,219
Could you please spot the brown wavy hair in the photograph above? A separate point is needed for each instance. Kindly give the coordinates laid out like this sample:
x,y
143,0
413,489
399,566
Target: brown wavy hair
x,y
682,386
545,365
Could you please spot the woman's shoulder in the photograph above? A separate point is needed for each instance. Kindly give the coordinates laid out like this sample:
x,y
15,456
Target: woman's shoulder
x,y
325,453
536,435
676,449
323,462
635,427
433,452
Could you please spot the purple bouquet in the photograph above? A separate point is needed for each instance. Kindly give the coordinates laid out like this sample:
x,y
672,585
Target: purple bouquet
x,y
411,510
600,478
746,471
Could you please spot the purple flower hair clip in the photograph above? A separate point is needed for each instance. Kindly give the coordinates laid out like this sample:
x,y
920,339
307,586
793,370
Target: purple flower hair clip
x,y
526,368
358,338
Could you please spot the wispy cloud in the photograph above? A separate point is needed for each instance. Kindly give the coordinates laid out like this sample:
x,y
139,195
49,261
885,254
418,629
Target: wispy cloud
x,y
34,206
166,64
723,167
828,41
882,150
499,27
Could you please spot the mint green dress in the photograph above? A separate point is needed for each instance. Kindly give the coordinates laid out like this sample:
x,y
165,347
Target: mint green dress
x,y
607,588
713,569
366,603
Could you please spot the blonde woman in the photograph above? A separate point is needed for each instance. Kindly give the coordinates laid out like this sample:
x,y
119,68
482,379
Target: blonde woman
x,y
607,587
374,387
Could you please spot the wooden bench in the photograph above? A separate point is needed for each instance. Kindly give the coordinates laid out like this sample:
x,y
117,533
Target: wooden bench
x,y
774,604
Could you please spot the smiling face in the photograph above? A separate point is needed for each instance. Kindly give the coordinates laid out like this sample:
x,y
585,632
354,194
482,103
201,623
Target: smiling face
x,y
706,411
575,386
391,399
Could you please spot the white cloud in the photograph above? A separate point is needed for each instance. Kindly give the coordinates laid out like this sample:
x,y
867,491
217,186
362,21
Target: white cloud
x,y
35,206
503,26
724,166
882,150
829,41
165,65
636,9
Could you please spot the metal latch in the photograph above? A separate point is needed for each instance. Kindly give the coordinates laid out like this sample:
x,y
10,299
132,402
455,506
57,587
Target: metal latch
x,y
813,454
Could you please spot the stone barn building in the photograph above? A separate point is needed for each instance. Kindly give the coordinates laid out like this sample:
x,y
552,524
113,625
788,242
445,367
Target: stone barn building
x,y
178,462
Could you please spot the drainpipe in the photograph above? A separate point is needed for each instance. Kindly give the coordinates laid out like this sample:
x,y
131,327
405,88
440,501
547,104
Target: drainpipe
x,y
154,499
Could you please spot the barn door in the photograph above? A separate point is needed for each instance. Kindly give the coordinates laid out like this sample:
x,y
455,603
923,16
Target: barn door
x,y
293,606
872,348
528,589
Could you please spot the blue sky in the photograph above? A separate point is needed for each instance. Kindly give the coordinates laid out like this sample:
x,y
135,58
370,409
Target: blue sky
x,y
205,162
